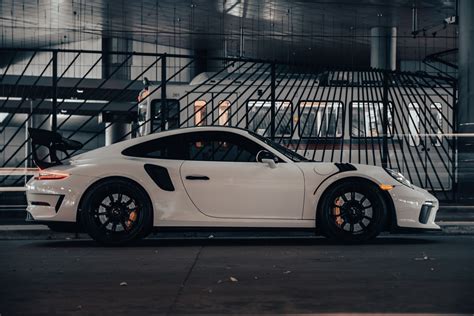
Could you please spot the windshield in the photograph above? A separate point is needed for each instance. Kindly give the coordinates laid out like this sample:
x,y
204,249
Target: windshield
x,y
281,149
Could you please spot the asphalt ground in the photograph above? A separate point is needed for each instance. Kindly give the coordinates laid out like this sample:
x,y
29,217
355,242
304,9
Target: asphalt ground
x,y
393,274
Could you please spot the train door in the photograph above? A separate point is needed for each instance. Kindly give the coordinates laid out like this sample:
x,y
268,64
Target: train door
x,y
199,107
437,146
426,126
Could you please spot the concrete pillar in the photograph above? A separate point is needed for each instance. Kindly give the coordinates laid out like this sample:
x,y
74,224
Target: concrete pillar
x,y
115,132
112,62
118,126
465,113
116,66
383,47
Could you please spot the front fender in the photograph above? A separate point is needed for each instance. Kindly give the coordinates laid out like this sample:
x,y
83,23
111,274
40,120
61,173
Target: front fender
x,y
373,174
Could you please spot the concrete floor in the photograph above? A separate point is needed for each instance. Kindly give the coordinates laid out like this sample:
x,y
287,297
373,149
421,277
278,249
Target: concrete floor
x,y
430,274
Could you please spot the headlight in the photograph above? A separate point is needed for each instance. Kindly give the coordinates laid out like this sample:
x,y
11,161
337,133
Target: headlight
x,y
399,177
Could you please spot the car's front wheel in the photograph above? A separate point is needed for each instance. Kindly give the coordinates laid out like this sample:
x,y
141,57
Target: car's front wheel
x,y
116,211
352,211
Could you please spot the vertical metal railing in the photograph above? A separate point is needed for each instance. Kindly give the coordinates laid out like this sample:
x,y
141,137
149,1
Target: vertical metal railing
x,y
308,107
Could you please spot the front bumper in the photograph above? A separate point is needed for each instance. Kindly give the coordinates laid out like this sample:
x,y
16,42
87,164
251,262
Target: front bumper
x,y
414,208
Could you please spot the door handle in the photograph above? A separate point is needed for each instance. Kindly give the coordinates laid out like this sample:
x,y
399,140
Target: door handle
x,y
197,178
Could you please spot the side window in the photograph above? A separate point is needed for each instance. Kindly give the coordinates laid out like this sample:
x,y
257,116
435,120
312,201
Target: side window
x,y
224,113
366,119
220,146
259,118
199,113
321,119
170,147
414,124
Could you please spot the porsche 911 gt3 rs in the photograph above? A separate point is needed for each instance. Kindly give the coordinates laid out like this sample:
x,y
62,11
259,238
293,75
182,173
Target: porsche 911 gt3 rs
x,y
221,177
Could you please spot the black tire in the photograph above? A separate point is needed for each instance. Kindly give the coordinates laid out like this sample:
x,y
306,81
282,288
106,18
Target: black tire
x,y
116,211
352,211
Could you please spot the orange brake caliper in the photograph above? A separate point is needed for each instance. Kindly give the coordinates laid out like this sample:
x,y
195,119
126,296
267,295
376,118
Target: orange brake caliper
x,y
131,219
337,211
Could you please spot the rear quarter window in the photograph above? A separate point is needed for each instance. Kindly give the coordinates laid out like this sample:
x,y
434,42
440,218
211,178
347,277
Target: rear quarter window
x,y
170,147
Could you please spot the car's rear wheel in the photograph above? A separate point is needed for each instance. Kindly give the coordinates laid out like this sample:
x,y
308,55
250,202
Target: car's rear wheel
x,y
352,211
116,211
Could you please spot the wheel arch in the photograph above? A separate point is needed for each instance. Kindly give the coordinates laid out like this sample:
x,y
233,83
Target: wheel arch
x,y
391,214
111,178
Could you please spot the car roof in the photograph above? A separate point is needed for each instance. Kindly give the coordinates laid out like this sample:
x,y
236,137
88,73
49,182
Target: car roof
x,y
120,146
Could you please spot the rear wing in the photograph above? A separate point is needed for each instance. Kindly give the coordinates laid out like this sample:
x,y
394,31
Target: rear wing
x,y
54,143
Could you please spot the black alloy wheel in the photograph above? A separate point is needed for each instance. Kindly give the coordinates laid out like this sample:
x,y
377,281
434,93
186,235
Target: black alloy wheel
x,y
116,211
353,211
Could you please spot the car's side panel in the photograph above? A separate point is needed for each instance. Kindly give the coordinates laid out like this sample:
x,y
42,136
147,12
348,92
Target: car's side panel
x,y
315,174
374,174
407,201
245,189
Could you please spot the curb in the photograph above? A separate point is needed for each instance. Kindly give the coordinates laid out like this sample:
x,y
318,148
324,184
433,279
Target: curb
x,y
42,232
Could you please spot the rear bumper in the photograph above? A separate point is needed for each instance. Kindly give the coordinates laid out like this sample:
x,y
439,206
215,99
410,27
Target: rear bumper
x,y
56,200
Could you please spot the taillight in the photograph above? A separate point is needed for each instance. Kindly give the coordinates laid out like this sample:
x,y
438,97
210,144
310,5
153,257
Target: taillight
x,y
44,175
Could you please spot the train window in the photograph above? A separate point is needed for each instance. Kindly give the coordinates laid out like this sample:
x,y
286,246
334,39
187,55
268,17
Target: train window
x,y
220,146
437,123
259,118
414,124
321,119
199,113
224,113
367,119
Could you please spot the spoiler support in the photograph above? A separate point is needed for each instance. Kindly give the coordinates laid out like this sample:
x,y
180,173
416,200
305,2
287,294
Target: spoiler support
x,y
54,142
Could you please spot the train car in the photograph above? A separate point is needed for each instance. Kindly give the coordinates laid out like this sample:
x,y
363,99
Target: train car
x,y
329,116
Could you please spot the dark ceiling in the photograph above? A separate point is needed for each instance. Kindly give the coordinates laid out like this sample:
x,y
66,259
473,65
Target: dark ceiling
x,y
333,31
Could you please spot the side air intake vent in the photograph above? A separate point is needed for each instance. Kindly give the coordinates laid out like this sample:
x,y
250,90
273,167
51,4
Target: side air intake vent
x,y
160,176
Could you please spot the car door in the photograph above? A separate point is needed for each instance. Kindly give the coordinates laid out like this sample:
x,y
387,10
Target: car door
x,y
223,179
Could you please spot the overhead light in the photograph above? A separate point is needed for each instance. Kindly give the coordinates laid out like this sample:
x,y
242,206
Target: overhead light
x,y
80,91
63,111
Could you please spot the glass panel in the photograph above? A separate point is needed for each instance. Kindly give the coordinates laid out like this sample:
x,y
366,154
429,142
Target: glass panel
x,y
414,124
436,117
321,119
367,119
169,147
224,113
221,146
259,116
200,112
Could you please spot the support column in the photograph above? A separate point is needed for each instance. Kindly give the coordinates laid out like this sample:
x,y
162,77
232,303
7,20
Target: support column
x,y
116,66
383,55
465,107
112,63
383,47
117,126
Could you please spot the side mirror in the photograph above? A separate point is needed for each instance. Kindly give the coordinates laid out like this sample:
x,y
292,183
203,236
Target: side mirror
x,y
267,157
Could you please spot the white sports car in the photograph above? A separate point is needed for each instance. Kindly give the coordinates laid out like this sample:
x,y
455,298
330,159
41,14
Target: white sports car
x,y
220,177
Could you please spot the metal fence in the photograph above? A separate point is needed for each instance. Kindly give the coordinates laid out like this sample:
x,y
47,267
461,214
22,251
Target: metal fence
x,y
404,121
